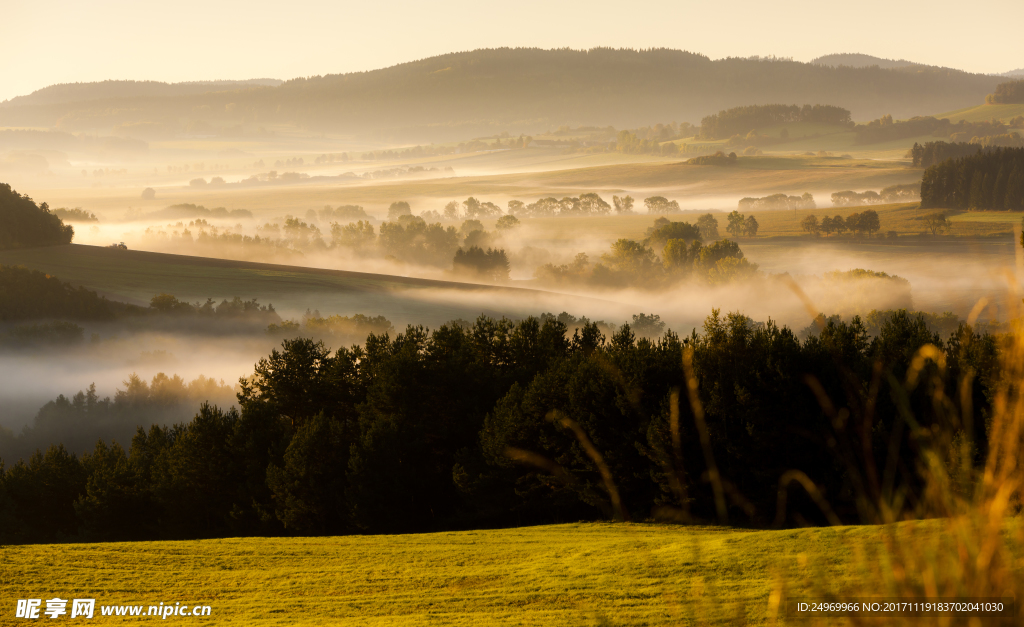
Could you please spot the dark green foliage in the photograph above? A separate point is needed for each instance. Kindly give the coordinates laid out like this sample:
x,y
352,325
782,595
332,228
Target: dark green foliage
x,y
305,487
742,120
42,493
113,498
493,423
986,180
28,294
23,223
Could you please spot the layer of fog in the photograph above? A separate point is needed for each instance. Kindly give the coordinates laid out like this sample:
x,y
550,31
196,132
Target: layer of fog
x,y
31,378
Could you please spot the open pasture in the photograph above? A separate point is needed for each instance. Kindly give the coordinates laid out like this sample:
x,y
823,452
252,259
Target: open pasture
x,y
570,574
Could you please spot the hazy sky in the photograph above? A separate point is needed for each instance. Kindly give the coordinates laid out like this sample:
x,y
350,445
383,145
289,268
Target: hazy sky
x,y
58,41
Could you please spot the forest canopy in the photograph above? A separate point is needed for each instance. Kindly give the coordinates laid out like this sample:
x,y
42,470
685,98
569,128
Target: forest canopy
x,y
312,449
986,180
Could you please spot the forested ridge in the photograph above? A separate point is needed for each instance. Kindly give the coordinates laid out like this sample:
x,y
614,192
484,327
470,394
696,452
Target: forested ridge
x,y
496,87
504,423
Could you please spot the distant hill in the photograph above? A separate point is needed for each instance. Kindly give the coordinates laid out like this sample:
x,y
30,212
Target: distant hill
x,y
1014,73
84,92
861,61
520,90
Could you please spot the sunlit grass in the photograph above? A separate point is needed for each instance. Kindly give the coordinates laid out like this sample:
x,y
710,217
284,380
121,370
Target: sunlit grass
x,y
573,574
985,112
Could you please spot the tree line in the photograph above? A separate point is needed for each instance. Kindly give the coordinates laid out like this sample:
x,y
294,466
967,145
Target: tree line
x,y
778,202
502,423
23,223
1010,92
742,120
936,152
986,180
865,223
890,194
77,421
886,129
29,294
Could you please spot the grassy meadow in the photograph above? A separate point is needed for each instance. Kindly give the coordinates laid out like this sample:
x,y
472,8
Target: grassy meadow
x,y
985,112
570,574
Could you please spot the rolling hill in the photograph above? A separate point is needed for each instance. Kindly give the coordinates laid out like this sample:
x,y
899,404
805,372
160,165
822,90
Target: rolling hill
x,y
136,276
520,90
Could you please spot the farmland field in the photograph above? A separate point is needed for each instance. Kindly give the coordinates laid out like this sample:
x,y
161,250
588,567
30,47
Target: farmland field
x,y
570,574
693,186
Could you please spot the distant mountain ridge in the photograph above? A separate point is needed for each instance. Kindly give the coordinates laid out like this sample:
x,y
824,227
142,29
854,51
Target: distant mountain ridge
x,y
520,90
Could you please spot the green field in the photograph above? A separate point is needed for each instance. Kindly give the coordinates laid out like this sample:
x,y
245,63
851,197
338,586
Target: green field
x,y
985,112
572,574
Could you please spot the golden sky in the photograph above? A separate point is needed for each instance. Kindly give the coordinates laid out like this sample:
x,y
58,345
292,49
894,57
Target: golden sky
x,y
58,41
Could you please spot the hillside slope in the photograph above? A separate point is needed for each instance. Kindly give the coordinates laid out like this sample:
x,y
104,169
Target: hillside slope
x,y
136,276
524,89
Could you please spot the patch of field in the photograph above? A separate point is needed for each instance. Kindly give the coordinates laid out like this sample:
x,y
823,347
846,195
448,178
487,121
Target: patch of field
x,y
903,218
796,130
985,112
136,276
693,186
572,575
995,217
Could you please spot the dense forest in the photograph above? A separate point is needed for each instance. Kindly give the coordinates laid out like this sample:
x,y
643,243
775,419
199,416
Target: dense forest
x,y
742,120
448,96
24,223
986,180
503,423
